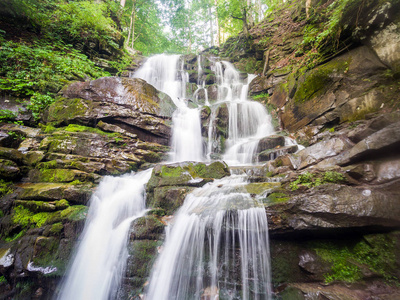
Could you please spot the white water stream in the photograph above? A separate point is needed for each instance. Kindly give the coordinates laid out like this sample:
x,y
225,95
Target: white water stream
x,y
99,262
165,72
218,242
219,228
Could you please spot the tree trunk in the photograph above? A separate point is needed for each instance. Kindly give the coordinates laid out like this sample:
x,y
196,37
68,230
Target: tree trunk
x,y
211,25
131,31
217,21
123,3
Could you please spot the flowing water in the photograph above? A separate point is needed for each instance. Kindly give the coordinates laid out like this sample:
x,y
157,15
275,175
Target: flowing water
x,y
165,72
217,245
101,256
218,241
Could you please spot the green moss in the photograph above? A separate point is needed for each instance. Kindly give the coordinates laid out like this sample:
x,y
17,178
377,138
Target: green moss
x,y
47,165
312,180
375,253
158,212
277,197
314,82
56,228
56,175
25,218
259,188
74,213
3,280
61,204
6,187
15,236
167,171
80,128
64,109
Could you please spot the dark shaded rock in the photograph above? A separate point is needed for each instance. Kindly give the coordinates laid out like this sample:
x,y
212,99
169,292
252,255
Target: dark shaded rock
x,y
272,154
378,144
332,208
363,131
11,154
8,169
323,96
311,263
270,142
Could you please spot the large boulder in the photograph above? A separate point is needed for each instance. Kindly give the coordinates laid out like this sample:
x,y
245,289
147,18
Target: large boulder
x,y
334,209
130,103
169,184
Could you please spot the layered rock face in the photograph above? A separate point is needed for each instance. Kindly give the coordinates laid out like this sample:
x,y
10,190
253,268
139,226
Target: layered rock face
x,y
48,174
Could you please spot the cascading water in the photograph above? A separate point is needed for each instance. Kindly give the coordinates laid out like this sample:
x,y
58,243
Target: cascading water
x,y
218,243
248,120
219,228
100,259
166,74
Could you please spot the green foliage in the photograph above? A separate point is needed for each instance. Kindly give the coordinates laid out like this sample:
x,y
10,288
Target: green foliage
x,y
26,218
16,135
5,187
262,96
15,236
375,252
80,128
3,280
6,115
310,180
27,70
39,103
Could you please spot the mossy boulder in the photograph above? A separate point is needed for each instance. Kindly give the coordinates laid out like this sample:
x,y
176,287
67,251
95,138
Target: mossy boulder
x,y
60,175
168,198
129,103
79,194
146,228
8,169
186,174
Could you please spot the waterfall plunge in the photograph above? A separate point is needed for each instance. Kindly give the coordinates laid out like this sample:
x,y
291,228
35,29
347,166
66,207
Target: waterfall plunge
x,y
100,259
218,228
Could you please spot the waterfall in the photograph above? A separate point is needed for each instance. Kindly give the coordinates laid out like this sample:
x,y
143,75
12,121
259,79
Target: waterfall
x,y
218,242
248,120
165,72
101,256
219,227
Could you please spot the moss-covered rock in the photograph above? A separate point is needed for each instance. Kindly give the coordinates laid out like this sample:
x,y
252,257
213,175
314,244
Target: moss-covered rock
x,y
186,174
59,175
147,228
56,191
168,198
8,169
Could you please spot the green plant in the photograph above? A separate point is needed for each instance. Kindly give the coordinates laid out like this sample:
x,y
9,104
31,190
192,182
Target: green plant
x,y
5,187
38,103
16,135
6,114
312,180
3,279
374,252
15,236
